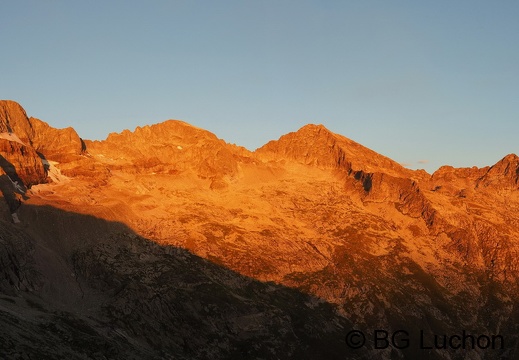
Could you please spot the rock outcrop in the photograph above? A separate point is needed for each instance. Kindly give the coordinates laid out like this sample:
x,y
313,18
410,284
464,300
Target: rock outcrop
x,y
21,163
52,144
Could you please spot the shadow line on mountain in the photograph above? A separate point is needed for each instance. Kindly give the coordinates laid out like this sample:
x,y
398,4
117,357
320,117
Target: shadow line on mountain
x,y
148,290
166,301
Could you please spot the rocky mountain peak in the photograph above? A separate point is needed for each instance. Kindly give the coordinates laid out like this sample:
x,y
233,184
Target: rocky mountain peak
x,y
20,163
314,128
507,166
172,146
504,174
511,159
50,143
13,119
318,146
169,131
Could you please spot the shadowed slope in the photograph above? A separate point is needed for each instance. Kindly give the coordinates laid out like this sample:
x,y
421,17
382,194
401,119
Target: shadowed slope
x,y
117,295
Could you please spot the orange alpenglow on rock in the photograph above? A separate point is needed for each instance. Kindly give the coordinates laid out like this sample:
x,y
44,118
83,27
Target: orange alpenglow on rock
x,y
168,242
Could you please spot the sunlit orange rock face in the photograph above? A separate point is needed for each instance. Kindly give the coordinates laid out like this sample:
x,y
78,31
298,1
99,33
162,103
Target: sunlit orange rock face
x,y
313,212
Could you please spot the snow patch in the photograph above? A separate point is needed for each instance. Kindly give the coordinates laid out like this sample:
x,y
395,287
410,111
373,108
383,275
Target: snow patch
x,y
11,137
53,172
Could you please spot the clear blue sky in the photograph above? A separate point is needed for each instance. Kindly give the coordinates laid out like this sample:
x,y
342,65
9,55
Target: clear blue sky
x,y
424,82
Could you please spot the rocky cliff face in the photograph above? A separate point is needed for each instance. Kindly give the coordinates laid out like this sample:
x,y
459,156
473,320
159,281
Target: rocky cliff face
x,y
13,119
26,147
167,242
61,145
21,163
53,144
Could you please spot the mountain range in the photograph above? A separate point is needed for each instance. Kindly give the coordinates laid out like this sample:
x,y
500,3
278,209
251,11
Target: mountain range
x,y
169,243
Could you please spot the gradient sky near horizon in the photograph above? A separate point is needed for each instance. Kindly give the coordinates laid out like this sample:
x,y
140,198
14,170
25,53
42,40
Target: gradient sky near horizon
x,y
426,83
